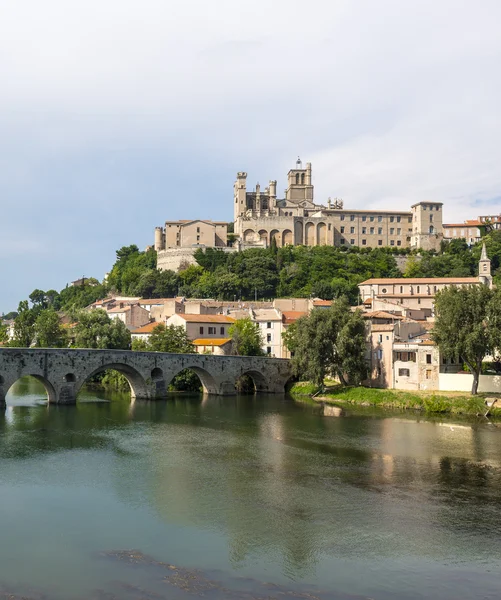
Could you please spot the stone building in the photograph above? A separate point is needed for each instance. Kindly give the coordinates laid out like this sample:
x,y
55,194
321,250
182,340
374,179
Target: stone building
x,y
260,217
177,241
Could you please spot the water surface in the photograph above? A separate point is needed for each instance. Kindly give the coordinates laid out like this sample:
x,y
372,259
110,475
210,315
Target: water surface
x,y
244,497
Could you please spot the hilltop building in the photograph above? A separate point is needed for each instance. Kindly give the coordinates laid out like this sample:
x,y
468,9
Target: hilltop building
x,y
261,217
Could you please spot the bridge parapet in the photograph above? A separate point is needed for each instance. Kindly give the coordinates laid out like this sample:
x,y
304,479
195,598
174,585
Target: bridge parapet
x,y
63,372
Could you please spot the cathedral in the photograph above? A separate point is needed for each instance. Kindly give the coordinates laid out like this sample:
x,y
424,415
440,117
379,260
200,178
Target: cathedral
x,y
261,217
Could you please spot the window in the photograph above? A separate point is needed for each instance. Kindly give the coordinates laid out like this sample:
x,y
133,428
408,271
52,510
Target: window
x,y
268,325
212,331
392,219
342,241
384,290
201,330
329,227
297,178
431,218
342,229
372,230
399,243
380,242
437,207
198,229
364,242
399,231
380,231
268,350
392,242
221,331
418,289
198,238
352,217
379,219
435,288
392,231
302,178
404,373
410,219
352,229
428,359
364,218
424,206
352,242
372,219
398,219
428,373
342,217
364,229
401,289
268,338
380,338
406,356
432,230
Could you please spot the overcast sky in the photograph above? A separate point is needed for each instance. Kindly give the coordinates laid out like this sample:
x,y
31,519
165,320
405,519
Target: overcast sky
x,y
116,115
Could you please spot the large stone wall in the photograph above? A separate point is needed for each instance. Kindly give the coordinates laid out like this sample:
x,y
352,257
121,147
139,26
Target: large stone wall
x,y
63,372
174,258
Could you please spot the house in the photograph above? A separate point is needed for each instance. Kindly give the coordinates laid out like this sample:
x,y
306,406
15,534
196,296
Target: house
x,y
219,347
144,332
270,326
203,326
132,315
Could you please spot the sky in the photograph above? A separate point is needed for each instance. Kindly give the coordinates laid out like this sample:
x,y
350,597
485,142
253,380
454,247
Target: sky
x,y
116,115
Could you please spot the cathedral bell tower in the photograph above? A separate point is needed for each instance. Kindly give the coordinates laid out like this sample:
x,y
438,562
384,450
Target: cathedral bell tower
x,y
299,183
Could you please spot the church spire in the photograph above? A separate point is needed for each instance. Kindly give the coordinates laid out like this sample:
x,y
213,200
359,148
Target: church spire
x,y
484,268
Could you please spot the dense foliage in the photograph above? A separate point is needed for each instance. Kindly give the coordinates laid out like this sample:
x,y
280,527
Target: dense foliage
x,y
95,329
468,325
329,342
246,338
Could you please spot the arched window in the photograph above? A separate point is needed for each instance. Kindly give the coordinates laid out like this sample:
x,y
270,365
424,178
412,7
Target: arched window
x,y
297,178
302,178
432,229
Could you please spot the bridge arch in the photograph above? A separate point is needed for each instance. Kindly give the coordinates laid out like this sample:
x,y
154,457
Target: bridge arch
x,y
208,382
258,379
50,390
137,383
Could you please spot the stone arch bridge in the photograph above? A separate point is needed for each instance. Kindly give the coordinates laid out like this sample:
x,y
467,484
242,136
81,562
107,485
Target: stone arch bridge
x,y
63,372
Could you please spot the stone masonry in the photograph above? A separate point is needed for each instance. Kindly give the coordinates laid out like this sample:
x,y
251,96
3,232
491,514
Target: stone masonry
x,y
63,372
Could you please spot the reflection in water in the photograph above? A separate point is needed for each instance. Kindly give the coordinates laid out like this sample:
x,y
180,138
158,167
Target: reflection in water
x,y
366,503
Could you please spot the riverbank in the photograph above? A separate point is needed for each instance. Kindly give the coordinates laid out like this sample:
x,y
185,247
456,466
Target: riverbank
x,y
430,402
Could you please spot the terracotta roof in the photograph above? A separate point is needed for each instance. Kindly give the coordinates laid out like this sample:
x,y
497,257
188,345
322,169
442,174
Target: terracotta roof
x,y
146,328
119,310
157,300
206,318
388,327
289,316
381,314
368,301
211,342
420,280
322,302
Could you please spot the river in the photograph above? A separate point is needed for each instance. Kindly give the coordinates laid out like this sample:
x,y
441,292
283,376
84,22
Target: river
x,y
246,497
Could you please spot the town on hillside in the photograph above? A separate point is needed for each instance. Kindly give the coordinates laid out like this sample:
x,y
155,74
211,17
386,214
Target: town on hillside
x,y
398,311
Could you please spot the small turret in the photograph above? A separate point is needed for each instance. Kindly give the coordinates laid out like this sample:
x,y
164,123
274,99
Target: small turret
x,y
159,239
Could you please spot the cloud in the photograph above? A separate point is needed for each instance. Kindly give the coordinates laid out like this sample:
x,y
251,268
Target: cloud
x,y
118,115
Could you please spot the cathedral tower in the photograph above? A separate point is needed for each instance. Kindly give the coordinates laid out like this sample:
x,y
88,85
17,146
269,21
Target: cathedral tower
x,y
299,183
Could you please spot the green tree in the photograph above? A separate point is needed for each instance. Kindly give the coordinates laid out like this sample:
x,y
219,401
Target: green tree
x,y
24,326
4,334
170,339
246,338
468,325
48,330
95,329
329,342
